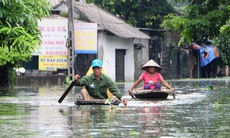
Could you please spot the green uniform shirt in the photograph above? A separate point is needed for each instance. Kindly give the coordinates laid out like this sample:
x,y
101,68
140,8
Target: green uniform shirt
x,y
98,89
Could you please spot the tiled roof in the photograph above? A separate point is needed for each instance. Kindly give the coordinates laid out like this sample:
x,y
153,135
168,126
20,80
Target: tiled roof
x,y
107,21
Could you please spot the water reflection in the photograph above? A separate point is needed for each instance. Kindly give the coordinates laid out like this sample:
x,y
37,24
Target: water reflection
x,y
197,111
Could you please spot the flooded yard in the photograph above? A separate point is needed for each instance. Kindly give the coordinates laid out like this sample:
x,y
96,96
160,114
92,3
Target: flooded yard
x,y
201,109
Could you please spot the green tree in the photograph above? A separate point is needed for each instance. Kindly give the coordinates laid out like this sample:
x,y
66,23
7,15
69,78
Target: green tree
x,y
201,20
223,44
19,34
139,13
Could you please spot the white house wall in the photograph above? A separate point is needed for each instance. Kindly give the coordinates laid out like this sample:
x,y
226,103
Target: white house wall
x,y
107,45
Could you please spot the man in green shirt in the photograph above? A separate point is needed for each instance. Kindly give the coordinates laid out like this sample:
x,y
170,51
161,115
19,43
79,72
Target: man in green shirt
x,y
96,84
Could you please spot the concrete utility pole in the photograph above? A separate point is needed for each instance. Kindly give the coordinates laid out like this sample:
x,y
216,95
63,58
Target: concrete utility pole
x,y
70,41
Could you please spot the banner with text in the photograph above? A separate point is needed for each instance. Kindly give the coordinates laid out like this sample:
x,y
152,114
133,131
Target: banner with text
x,y
54,36
85,38
52,63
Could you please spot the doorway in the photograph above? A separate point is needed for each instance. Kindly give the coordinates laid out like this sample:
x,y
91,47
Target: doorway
x,y
120,65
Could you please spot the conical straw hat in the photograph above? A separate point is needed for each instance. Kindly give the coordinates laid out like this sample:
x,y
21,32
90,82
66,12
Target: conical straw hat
x,y
150,63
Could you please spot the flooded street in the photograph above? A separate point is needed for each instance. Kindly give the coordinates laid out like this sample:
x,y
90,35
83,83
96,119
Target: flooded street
x,y
201,109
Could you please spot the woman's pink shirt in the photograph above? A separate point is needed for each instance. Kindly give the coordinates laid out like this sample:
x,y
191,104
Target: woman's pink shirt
x,y
150,79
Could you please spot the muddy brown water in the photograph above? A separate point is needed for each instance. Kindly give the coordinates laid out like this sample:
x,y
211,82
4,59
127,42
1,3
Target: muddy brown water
x,y
201,109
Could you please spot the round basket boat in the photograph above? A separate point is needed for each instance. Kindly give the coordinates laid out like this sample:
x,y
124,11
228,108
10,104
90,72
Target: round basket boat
x,y
151,94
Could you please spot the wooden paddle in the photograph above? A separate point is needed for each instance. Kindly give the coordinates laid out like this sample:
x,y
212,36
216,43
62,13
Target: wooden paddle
x,y
131,94
173,93
66,92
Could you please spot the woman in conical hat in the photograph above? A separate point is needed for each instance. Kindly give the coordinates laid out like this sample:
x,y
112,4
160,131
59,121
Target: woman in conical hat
x,y
151,77
150,63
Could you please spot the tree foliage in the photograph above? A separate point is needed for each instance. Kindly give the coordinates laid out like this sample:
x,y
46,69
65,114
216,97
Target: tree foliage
x,y
19,34
201,20
139,13
223,44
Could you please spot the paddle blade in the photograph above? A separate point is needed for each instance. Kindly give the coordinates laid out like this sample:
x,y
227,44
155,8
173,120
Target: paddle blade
x,y
131,94
174,97
173,93
66,92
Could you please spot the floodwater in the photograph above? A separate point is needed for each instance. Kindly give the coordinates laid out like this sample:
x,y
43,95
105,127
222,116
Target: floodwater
x,y
201,109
